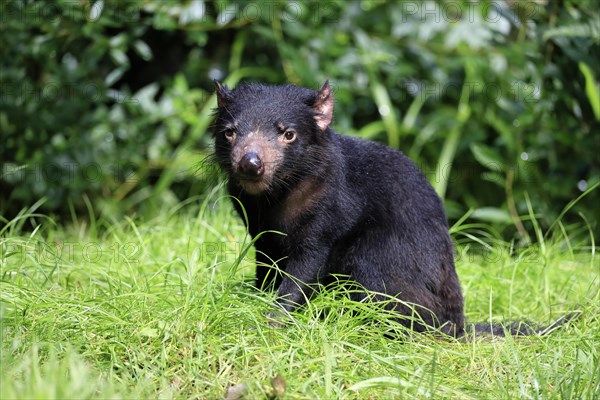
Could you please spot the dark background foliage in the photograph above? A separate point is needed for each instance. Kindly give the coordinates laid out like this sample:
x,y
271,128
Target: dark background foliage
x,y
105,106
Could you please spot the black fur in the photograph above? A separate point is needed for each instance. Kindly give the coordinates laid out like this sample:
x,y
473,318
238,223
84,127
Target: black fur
x,y
346,206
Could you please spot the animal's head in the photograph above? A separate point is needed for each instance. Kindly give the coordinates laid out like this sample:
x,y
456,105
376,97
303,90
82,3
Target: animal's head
x,y
268,138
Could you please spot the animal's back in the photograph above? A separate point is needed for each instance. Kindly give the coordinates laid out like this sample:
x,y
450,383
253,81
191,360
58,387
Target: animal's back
x,y
399,243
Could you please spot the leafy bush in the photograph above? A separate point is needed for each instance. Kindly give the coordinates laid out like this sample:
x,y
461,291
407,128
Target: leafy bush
x,y
109,101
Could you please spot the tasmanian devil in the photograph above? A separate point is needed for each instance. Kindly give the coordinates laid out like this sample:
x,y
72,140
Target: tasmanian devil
x,y
344,205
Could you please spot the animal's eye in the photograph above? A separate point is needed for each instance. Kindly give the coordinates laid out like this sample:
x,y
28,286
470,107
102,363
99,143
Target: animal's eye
x,y
229,134
289,135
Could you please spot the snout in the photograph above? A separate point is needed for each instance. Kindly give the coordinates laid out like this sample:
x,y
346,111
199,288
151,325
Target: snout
x,y
251,166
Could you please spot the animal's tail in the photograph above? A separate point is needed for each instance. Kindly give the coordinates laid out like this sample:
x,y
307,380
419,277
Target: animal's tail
x,y
520,328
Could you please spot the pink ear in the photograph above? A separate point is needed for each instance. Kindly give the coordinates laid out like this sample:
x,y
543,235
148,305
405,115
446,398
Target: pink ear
x,y
223,94
324,106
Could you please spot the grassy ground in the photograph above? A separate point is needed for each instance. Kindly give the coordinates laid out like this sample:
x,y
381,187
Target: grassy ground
x,y
165,309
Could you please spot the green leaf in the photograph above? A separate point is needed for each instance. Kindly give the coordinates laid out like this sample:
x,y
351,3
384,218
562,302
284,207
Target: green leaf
x,y
193,12
381,381
149,332
145,97
95,11
114,76
491,214
591,30
143,50
487,157
119,57
591,89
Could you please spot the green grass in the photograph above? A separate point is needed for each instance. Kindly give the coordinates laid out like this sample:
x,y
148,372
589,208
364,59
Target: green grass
x,y
165,309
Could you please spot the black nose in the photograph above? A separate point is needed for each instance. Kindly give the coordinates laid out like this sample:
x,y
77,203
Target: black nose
x,y
251,165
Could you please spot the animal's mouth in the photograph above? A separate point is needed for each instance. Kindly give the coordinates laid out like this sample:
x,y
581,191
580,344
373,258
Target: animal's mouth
x,y
243,178
253,185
